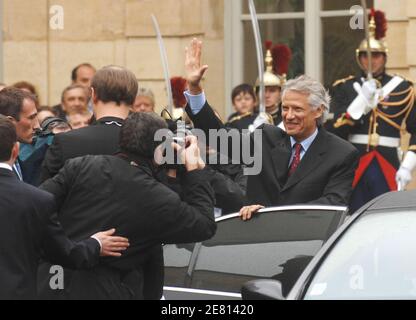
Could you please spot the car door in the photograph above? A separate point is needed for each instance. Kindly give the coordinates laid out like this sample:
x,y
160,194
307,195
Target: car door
x,y
277,243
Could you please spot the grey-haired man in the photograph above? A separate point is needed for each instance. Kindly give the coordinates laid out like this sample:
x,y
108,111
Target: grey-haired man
x,y
304,163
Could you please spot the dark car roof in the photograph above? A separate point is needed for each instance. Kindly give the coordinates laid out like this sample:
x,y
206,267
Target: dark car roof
x,y
394,201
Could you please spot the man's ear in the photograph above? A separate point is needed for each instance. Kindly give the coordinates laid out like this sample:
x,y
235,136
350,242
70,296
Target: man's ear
x,y
15,152
319,112
12,119
93,96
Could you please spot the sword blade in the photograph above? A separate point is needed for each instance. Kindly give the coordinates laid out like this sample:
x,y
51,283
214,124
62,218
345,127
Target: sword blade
x,y
260,56
165,64
367,37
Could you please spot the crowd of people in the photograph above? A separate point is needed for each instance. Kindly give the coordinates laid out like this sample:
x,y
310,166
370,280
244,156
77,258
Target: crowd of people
x,y
69,171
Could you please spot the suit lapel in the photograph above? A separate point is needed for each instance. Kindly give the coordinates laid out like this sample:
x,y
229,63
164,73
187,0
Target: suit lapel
x,y
281,155
311,160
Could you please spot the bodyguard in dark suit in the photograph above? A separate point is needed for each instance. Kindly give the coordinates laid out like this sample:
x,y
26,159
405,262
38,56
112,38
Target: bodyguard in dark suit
x,y
114,91
122,191
305,164
28,226
20,107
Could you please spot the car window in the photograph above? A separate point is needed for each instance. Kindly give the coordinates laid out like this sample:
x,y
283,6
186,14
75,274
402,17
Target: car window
x,y
276,244
374,259
177,259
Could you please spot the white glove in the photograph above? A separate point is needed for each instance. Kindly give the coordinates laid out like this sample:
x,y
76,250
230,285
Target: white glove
x,y
366,100
404,175
261,119
371,94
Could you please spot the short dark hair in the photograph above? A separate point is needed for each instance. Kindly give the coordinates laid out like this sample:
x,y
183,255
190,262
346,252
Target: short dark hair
x,y
243,88
115,84
11,101
26,85
74,73
137,135
46,108
8,138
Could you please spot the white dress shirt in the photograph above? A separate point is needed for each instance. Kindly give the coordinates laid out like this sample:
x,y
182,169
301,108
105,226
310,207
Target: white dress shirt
x,y
5,166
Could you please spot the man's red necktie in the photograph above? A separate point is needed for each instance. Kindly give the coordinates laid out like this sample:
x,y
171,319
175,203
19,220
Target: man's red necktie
x,y
296,159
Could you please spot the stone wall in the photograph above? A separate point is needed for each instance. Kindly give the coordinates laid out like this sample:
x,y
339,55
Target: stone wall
x,y
105,32
401,39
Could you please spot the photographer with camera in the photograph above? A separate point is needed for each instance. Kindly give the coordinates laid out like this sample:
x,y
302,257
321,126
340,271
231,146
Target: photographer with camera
x,y
122,192
228,180
32,155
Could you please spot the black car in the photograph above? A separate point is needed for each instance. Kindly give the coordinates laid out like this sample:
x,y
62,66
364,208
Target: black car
x,y
276,244
372,256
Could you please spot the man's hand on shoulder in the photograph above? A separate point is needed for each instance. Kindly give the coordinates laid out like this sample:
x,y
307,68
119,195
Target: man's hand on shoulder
x,y
111,246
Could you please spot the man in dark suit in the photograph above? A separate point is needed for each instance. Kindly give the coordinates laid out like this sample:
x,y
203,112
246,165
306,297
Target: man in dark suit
x,y
28,225
20,107
304,164
122,191
114,91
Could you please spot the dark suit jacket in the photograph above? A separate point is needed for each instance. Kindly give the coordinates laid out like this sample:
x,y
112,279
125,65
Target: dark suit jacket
x,y
100,138
28,225
96,192
324,176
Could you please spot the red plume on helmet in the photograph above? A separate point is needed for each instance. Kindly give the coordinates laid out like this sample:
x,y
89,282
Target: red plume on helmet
x,y
269,45
179,85
381,23
281,58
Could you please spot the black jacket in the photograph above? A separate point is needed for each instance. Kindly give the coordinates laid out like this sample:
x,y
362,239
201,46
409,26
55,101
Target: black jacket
x,y
324,176
100,192
241,122
29,227
102,138
228,182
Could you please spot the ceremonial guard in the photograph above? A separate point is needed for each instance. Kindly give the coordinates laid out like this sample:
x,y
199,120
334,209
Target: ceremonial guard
x,y
372,111
277,65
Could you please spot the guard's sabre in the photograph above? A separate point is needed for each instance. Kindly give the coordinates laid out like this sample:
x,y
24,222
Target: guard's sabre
x,y
367,37
259,50
164,58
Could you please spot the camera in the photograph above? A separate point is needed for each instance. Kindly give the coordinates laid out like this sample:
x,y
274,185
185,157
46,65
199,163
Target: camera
x,y
52,126
166,156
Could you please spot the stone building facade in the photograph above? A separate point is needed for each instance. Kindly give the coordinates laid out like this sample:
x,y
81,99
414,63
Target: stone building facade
x,y
120,32
105,32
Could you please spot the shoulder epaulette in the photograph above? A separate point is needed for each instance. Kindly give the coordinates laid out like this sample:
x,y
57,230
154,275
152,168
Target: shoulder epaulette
x,y
340,81
236,118
407,79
